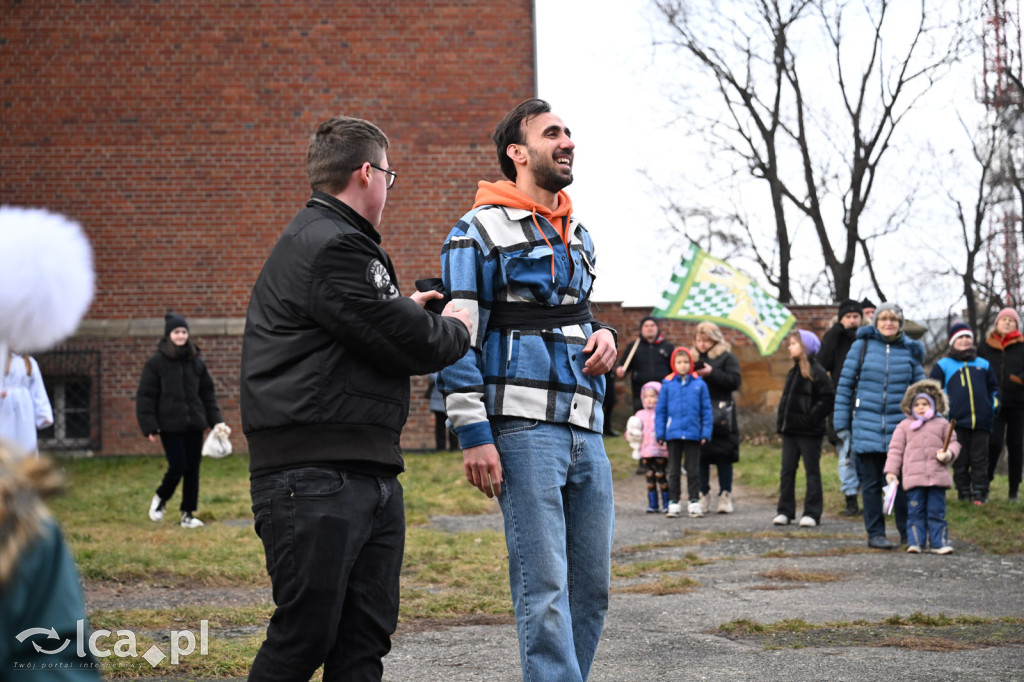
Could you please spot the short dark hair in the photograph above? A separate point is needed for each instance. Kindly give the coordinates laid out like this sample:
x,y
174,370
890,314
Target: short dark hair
x,y
339,146
510,131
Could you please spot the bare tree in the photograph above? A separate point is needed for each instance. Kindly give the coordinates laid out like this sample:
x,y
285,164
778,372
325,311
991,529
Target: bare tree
x,y
818,144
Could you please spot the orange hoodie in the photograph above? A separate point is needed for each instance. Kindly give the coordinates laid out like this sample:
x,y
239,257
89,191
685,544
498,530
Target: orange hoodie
x,y
505,193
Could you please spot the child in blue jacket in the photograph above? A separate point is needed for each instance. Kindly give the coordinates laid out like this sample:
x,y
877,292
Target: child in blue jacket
x,y
683,420
973,391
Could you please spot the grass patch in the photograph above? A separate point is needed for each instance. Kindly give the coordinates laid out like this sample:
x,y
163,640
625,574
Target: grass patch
x,y
793,575
994,528
637,568
917,631
660,587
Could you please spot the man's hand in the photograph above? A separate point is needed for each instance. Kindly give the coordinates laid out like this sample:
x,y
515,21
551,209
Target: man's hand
x,y
153,437
620,372
601,346
483,468
421,297
461,314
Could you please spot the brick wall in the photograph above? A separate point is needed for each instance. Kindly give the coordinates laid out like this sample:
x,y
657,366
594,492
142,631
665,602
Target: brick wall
x,y
176,134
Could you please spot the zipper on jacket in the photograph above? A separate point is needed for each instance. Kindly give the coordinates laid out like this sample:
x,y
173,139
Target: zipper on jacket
x,y
965,378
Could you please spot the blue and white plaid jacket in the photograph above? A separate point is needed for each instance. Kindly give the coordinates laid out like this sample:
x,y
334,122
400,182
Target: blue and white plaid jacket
x,y
495,254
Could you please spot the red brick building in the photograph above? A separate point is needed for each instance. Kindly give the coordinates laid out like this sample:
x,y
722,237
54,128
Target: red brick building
x,y
176,133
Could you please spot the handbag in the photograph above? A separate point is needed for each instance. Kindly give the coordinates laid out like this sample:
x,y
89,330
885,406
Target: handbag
x,y
723,416
217,443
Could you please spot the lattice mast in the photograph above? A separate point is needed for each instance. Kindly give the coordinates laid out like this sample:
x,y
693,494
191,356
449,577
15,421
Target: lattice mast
x,y
1003,96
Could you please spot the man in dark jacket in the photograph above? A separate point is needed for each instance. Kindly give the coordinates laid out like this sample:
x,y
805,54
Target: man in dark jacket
x,y
835,344
648,358
328,350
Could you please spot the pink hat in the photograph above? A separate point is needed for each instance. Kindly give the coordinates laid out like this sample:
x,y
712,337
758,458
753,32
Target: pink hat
x,y
1011,313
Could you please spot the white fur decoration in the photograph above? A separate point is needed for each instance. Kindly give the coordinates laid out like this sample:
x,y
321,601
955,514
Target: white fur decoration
x,y
46,280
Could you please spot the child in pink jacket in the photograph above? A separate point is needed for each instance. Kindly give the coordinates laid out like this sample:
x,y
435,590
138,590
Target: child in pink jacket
x,y
653,455
917,455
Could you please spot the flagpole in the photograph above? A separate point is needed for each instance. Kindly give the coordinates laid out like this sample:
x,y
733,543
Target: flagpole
x,y
629,358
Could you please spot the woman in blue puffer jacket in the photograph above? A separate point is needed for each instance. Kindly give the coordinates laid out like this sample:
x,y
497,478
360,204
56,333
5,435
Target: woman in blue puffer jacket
x,y
881,365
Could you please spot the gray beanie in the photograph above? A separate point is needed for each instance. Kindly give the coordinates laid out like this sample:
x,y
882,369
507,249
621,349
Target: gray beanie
x,y
889,308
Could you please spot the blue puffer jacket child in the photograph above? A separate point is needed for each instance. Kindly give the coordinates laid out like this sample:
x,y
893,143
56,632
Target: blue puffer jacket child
x,y
869,395
684,406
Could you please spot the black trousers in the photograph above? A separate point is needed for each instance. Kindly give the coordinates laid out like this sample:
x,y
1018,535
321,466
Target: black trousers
x,y
184,452
684,454
334,543
793,448
1008,428
970,468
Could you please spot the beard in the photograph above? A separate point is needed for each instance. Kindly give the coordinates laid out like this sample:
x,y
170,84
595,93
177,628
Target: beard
x,y
548,175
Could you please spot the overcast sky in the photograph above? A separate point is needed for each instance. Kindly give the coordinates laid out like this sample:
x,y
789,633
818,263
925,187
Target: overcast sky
x,y
598,68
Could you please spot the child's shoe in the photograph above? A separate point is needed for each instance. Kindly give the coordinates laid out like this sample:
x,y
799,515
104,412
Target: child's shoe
x,y
945,549
156,508
652,502
914,549
189,521
705,503
781,520
673,510
694,510
807,522
664,501
725,502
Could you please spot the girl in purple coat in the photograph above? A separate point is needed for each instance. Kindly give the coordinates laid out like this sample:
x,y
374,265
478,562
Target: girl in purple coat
x,y
918,454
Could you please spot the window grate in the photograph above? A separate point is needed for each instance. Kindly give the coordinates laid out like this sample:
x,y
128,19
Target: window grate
x,y
72,379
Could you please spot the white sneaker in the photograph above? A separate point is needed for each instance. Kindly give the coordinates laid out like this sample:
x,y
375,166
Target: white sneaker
x,y
945,549
781,520
807,522
914,549
694,510
705,503
156,509
725,502
673,510
189,521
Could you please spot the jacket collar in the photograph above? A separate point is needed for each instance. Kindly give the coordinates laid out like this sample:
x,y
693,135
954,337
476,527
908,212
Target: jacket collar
x,y
324,200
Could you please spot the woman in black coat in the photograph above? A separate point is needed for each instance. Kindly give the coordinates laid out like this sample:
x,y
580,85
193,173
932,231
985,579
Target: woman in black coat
x,y
1004,350
176,402
721,372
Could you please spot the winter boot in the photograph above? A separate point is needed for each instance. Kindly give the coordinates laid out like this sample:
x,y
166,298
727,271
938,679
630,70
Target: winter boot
x,y
963,495
851,506
652,502
664,500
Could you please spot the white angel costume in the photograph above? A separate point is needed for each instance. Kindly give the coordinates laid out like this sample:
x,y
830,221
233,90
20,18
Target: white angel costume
x,y
24,407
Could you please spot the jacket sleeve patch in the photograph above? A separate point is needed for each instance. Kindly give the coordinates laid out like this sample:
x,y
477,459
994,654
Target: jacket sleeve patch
x,y
378,277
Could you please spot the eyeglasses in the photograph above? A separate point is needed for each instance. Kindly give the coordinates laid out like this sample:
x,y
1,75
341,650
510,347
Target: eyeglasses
x,y
392,175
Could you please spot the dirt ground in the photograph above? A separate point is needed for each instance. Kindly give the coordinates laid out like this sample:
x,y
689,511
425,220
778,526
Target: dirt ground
x,y
749,570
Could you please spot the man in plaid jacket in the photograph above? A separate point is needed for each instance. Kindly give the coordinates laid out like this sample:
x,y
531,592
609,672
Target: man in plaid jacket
x,y
526,399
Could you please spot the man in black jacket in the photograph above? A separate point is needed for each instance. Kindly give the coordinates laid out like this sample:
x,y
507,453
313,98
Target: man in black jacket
x,y
648,358
835,344
328,350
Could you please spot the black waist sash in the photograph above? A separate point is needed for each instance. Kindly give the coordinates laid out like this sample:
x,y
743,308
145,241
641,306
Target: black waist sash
x,y
507,315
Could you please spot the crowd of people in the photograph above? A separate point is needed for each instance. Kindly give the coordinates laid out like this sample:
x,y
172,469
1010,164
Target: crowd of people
x,y
897,434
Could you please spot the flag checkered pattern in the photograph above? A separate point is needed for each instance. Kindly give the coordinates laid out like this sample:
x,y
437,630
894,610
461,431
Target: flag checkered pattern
x,y
705,288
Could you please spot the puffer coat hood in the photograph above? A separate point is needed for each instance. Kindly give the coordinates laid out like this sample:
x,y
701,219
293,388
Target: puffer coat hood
x,y
928,387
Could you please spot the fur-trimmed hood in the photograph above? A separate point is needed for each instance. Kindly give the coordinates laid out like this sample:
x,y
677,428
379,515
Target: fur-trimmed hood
x,y
23,484
929,387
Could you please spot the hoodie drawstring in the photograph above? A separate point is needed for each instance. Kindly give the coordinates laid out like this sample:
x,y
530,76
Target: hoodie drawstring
x,y
565,241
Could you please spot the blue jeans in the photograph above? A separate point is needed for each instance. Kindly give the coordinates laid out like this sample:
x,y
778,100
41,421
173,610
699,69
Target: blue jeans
x,y
849,472
334,542
872,480
559,513
926,514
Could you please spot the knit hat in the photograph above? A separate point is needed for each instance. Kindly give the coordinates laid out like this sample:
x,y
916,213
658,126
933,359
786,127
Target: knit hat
x,y
888,308
651,386
172,322
1009,312
868,303
850,306
959,329
920,420
811,343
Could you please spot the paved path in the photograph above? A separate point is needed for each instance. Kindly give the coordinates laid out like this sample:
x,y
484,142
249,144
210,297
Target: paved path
x,y
672,637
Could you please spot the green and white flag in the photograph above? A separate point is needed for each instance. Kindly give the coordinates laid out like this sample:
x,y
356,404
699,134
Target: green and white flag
x,y
708,289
